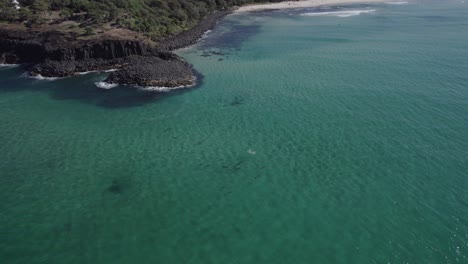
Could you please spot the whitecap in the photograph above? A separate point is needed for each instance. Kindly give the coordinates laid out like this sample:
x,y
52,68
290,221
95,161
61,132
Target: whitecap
x,y
347,13
105,85
161,88
87,72
200,39
397,3
40,77
206,34
164,88
84,73
8,65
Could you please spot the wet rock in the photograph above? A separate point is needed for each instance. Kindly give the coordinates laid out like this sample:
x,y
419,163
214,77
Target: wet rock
x,y
192,35
57,54
154,71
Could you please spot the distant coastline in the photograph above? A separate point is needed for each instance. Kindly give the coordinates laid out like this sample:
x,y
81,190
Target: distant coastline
x,y
300,4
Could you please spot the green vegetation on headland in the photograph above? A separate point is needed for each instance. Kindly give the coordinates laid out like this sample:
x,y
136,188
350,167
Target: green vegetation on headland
x,y
154,18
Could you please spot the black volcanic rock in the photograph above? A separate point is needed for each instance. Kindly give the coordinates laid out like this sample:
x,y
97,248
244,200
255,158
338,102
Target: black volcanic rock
x,y
32,47
57,54
65,68
154,71
192,35
51,68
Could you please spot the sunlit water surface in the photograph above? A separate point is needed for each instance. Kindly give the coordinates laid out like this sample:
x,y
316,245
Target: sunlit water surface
x,y
339,137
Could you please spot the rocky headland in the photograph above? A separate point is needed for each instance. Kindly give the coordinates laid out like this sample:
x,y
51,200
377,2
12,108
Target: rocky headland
x,y
53,53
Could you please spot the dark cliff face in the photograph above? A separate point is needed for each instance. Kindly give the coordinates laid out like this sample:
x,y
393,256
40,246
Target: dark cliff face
x,y
15,46
31,47
57,54
106,50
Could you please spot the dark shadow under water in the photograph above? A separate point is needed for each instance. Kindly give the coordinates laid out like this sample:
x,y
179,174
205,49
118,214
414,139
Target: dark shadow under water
x,y
230,36
82,88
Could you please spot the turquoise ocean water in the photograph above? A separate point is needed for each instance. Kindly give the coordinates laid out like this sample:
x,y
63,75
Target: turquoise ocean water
x,y
313,138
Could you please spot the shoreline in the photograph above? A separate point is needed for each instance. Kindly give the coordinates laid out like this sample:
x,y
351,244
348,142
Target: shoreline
x,y
135,62
300,4
58,55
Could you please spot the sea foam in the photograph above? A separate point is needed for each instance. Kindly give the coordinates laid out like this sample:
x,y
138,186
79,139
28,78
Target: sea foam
x,y
164,88
105,85
347,13
87,72
161,88
40,77
8,65
397,3
206,33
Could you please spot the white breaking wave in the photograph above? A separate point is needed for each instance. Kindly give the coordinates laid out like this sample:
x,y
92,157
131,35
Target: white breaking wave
x,y
161,88
105,85
165,89
203,36
8,65
40,77
396,3
347,13
84,73
87,72
156,88
206,34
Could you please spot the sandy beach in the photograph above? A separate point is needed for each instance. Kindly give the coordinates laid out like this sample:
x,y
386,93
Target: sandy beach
x,y
300,4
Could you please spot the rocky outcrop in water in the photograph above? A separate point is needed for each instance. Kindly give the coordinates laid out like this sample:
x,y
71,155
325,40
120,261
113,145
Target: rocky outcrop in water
x,y
154,71
57,54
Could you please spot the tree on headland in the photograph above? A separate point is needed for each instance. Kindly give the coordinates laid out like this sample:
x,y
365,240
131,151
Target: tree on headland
x,y
66,13
89,31
40,5
8,10
155,18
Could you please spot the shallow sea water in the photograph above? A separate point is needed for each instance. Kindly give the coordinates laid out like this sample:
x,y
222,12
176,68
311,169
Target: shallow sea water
x,y
332,138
